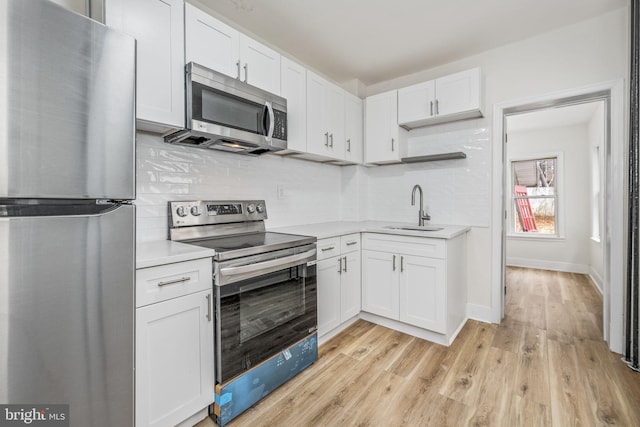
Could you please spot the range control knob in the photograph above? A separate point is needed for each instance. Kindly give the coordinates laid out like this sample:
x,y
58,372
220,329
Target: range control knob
x,y
195,211
260,208
251,208
181,211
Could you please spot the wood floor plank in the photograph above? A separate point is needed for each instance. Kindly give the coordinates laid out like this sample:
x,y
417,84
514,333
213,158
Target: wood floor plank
x,y
524,372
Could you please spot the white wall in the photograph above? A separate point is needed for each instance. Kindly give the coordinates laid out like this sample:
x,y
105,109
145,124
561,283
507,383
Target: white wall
x,y
312,191
570,252
589,52
596,136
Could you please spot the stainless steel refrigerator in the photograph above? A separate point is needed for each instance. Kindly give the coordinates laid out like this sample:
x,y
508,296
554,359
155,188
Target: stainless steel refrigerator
x,y
67,223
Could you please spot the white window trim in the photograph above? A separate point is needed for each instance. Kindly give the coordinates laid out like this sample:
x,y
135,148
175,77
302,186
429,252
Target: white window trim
x,y
560,224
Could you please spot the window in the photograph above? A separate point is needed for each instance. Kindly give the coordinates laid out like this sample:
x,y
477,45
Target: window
x,y
534,196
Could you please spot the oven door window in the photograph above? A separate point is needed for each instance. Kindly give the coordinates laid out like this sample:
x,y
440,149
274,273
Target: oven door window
x,y
213,106
262,316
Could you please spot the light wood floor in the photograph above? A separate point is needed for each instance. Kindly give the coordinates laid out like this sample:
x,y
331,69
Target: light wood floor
x,y
545,365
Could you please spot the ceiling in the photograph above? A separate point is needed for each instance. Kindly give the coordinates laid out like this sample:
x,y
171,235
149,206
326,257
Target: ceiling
x,y
378,40
579,114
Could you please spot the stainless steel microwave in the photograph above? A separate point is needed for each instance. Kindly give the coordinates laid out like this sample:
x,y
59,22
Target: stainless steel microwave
x,y
227,114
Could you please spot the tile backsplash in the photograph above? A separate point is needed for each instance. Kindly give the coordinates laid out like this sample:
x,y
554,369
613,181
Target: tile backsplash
x,y
302,192
296,191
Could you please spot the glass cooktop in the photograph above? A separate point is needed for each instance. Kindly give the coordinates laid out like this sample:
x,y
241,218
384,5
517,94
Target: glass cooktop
x,y
239,245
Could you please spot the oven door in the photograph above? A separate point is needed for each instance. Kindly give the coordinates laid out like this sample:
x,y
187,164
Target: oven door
x,y
260,316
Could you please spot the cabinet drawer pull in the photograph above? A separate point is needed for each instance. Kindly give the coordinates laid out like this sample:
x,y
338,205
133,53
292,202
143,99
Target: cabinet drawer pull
x,y
349,145
352,243
238,66
392,144
394,263
331,138
174,281
209,307
431,108
326,139
345,264
340,265
401,264
246,73
330,248
437,108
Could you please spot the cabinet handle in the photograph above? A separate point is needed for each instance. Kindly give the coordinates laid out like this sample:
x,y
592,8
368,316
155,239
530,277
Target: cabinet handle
x,y
349,145
174,281
330,248
392,144
340,265
352,243
394,263
401,264
209,307
331,137
326,139
238,67
437,108
345,264
246,73
431,108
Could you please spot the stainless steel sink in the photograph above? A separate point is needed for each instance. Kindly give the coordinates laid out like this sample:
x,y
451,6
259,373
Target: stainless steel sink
x,y
415,227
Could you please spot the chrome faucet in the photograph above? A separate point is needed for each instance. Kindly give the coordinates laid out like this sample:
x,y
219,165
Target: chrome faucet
x,y
421,213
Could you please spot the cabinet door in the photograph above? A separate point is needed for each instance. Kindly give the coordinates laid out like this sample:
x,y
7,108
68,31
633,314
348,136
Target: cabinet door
x,y
317,132
353,128
158,27
335,115
328,276
293,84
422,292
210,42
380,283
174,359
350,286
458,92
416,102
381,123
260,65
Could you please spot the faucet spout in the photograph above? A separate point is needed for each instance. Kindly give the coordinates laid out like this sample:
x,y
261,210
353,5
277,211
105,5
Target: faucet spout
x,y
422,216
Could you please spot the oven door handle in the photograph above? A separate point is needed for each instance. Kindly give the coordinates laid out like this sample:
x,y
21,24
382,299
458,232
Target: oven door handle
x,y
284,262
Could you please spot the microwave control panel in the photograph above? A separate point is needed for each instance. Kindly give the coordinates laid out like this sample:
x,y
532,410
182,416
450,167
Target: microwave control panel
x,y
280,126
199,212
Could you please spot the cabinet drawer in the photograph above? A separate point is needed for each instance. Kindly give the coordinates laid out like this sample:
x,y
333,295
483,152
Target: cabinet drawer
x,y
408,245
350,243
163,282
328,248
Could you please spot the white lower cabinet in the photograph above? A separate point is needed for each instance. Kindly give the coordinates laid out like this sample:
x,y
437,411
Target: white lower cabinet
x,y
174,348
338,276
414,280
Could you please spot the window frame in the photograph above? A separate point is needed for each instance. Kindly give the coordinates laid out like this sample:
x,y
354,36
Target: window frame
x,y
558,194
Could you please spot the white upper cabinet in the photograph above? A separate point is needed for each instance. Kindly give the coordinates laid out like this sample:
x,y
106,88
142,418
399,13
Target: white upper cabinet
x,y
382,134
211,43
214,44
158,27
454,97
293,85
353,128
325,118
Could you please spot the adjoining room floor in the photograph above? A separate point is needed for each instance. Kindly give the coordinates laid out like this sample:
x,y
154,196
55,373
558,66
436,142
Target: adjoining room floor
x,y
545,365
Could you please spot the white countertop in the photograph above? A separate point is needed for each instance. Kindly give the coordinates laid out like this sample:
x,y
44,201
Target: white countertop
x,y
332,229
150,254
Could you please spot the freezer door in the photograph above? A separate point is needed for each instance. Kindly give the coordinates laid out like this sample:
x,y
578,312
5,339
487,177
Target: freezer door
x,y
67,105
67,310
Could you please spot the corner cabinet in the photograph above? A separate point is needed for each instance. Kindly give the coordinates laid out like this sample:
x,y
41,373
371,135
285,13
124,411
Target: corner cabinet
x,y
216,45
454,97
174,342
382,134
338,274
418,281
353,129
158,27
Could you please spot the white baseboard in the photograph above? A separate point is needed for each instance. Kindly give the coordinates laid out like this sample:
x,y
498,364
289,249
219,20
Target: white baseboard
x,y
596,279
548,265
482,313
332,333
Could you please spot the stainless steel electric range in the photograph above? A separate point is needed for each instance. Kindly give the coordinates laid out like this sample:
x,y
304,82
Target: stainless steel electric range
x,y
265,298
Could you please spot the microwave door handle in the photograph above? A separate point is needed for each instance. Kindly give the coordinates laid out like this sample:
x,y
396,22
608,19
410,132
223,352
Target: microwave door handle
x,y
269,113
285,262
